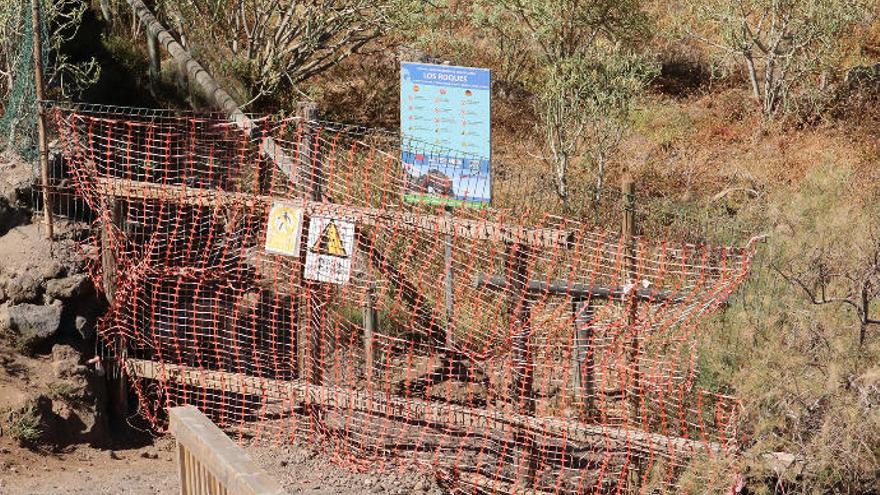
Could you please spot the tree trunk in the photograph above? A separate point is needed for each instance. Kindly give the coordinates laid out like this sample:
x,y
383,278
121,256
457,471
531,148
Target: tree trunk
x,y
753,74
561,182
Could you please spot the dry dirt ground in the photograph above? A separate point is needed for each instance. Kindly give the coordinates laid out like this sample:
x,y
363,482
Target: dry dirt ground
x,y
150,469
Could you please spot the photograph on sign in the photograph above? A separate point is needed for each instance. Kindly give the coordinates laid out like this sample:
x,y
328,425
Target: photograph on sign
x,y
446,132
284,229
330,250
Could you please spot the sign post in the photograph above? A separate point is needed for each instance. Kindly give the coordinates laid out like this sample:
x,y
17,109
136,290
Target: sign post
x,y
445,118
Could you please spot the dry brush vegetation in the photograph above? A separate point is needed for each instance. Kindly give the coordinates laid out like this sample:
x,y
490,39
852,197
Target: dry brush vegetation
x,y
737,118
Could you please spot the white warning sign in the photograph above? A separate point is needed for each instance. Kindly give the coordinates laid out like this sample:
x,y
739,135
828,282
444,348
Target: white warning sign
x,y
330,250
284,229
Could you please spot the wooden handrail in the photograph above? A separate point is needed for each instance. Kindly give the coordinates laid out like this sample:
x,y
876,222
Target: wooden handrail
x,y
209,463
212,90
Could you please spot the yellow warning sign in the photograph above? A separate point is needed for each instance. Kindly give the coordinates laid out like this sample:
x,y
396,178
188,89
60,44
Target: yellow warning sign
x,y
284,229
331,249
329,243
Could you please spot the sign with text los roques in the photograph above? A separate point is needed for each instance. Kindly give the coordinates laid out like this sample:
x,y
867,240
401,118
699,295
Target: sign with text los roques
x,y
445,118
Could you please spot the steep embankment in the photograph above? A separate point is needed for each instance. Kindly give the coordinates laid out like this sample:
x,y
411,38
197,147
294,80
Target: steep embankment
x,y
49,395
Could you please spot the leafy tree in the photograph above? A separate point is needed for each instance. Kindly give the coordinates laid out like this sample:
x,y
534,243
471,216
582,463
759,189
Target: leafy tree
x,y
61,20
578,58
784,46
583,107
282,42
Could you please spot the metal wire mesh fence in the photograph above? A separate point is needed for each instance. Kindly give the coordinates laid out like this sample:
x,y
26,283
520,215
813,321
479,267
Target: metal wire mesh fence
x,y
19,109
278,281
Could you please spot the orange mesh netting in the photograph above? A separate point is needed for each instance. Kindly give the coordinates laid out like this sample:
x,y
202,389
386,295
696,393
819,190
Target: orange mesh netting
x,y
277,280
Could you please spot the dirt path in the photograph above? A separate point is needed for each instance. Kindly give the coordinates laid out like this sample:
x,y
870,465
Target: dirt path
x,y
84,470
151,470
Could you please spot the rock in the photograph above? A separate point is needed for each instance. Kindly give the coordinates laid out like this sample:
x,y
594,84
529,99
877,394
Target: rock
x,y
11,215
78,417
51,269
62,352
21,289
84,327
66,288
34,324
5,324
66,362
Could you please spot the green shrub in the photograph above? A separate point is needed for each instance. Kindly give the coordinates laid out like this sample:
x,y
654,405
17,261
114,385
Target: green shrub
x,y
24,426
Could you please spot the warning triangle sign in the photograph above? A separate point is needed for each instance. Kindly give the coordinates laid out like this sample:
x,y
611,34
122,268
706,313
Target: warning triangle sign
x,y
329,243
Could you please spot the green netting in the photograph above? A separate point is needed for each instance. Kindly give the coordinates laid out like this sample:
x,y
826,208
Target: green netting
x,y
18,123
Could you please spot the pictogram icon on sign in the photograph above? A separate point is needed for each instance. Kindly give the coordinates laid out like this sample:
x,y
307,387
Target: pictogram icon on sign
x,y
331,246
330,243
284,229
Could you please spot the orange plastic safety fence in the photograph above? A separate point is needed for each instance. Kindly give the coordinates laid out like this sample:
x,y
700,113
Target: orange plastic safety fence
x,y
277,279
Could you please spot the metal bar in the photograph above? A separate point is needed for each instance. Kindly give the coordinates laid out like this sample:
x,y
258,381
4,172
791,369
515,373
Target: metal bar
x,y
371,326
581,291
448,284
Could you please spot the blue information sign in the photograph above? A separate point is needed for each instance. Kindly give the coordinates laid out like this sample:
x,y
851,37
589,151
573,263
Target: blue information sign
x,y
445,118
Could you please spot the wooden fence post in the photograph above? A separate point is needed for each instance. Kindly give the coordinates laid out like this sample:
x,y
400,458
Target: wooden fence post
x,y
628,190
582,353
37,43
155,60
309,183
523,368
118,386
628,238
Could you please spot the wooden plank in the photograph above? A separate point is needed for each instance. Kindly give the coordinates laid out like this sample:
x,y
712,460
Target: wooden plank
x,y
207,445
182,469
415,410
479,230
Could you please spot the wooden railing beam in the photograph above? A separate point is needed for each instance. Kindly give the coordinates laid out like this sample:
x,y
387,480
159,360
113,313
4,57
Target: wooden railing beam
x,y
201,444
480,230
